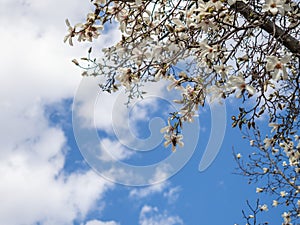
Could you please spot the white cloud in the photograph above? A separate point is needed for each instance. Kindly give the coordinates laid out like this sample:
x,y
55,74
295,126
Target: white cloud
x,y
34,187
162,173
145,192
113,150
172,194
98,222
36,72
168,192
151,216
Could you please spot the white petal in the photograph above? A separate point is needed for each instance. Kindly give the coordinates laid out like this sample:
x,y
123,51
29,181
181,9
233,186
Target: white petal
x,y
250,89
274,11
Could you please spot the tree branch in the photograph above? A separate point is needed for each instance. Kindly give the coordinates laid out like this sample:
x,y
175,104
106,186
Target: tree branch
x,y
250,15
270,27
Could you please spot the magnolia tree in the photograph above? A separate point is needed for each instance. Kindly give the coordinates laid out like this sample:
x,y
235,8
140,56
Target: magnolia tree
x,y
243,49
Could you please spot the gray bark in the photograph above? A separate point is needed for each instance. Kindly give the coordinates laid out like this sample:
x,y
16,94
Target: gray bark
x,y
250,15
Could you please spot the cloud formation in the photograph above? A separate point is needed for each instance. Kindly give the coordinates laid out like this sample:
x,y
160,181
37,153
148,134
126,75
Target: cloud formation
x,y
152,215
98,222
36,72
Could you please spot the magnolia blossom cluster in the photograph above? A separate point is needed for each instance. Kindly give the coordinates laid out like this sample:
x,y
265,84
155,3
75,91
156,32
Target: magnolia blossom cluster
x,y
172,136
291,149
127,78
228,48
156,36
85,32
284,166
293,153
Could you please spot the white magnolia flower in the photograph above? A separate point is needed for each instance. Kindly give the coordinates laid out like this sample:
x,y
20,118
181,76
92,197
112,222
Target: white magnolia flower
x,y
208,51
203,9
138,55
238,83
267,142
138,2
274,6
174,140
275,203
282,144
122,17
126,77
286,217
274,151
259,190
265,170
191,17
102,2
275,126
231,2
264,207
223,69
180,26
70,34
283,193
88,32
294,159
207,24
277,67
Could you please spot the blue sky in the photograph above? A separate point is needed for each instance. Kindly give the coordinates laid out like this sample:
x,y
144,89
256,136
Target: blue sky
x,y
45,179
